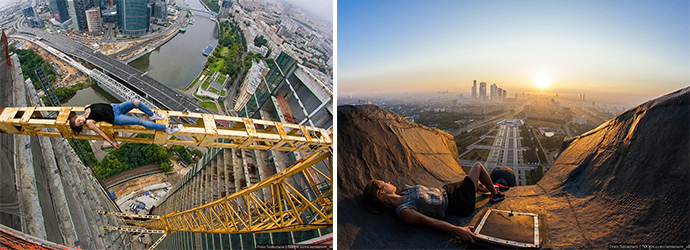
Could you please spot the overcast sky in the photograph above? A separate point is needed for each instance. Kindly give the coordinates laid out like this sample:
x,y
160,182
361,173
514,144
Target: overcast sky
x,y
634,47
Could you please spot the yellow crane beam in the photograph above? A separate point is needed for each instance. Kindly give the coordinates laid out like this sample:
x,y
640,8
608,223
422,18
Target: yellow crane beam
x,y
216,131
286,209
282,208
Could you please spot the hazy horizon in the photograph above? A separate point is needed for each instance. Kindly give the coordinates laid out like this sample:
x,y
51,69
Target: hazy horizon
x,y
627,48
320,8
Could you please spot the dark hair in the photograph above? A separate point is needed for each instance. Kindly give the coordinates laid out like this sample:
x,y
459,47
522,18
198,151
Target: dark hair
x,y
374,201
73,125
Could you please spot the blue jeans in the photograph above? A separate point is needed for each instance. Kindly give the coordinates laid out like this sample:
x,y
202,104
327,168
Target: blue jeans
x,y
120,109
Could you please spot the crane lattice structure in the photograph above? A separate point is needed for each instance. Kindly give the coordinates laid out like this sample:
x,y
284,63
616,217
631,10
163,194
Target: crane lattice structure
x,y
285,208
211,131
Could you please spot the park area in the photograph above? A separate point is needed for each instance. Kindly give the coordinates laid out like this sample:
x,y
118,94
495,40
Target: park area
x,y
487,142
476,155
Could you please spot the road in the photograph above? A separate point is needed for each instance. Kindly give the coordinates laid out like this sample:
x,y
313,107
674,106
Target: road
x,y
485,121
162,95
507,151
567,130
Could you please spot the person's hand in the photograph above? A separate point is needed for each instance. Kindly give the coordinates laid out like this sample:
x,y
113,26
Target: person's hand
x,y
465,233
115,144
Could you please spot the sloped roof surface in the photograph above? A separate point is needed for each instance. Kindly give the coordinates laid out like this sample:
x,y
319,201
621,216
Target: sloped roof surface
x,y
626,181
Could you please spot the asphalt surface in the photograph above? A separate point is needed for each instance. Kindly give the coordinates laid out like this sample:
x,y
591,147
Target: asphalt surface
x,y
507,152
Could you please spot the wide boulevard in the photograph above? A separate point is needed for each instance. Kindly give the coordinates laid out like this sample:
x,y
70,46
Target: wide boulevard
x,y
159,93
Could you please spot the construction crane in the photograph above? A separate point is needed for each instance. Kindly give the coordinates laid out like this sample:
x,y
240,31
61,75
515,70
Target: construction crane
x,y
285,208
239,133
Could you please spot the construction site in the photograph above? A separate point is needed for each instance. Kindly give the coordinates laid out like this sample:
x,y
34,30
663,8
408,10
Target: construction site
x,y
265,179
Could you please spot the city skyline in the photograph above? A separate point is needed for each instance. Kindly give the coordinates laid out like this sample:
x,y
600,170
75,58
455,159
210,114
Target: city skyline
x,y
636,48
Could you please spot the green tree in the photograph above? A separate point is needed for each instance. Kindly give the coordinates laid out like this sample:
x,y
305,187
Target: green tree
x,y
165,166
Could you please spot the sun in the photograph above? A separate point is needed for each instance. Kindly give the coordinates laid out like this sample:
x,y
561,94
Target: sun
x,y
542,81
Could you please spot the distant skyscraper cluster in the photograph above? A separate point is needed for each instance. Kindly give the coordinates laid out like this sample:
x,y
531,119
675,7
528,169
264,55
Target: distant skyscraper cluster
x,y
133,17
582,97
496,94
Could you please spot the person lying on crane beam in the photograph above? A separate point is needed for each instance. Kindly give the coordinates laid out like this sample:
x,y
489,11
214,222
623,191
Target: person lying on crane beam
x,y
116,114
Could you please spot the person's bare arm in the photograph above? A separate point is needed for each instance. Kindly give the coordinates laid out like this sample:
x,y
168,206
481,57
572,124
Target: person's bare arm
x,y
92,125
411,216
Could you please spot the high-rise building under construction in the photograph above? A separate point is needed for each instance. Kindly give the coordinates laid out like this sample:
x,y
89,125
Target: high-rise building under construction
x,y
289,94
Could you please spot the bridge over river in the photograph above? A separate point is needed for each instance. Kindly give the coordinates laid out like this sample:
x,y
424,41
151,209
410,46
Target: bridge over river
x,y
158,93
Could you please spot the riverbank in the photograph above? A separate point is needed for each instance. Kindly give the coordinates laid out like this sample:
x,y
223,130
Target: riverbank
x,y
143,51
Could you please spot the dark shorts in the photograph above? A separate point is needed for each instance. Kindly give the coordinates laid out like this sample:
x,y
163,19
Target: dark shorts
x,y
461,197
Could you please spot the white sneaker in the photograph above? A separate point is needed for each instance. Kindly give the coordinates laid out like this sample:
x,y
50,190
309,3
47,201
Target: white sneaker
x,y
156,116
173,128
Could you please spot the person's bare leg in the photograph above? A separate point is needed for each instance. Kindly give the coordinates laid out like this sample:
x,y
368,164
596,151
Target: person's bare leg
x,y
481,188
478,174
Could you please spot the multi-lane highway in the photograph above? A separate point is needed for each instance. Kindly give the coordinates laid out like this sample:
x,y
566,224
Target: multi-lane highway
x,y
159,93
507,150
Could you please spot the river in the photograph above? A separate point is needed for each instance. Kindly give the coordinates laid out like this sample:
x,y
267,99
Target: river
x,y
175,63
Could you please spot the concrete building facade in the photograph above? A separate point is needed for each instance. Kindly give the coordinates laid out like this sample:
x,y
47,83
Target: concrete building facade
x,y
94,21
254,77
291,94
57,194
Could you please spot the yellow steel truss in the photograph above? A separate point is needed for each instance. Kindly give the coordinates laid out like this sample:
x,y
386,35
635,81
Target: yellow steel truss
x,y
287,209
284,208
233,132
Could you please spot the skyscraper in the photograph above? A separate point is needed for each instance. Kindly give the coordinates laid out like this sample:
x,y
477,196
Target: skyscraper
x,y
494,89
93,20
482,91
505,93
160,12
28,12
79,13
133,16
474,90
59,10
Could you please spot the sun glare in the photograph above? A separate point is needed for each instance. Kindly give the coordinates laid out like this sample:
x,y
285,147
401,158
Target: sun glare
x,y
543,81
